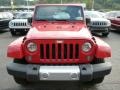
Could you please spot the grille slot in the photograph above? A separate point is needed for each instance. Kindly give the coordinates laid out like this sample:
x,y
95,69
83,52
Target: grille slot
x,y
47,51
65,51
41,51
71,51
53,51
20,24
77,51
59,51
99,23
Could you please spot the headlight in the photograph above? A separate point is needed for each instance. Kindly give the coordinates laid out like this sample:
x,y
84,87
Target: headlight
x,y
32,47
86,47
11,24
108,23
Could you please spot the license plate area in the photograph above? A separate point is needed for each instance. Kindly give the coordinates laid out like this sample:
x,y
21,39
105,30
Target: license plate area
x,y
59,73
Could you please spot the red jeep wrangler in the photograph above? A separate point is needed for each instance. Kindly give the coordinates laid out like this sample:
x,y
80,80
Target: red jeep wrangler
x,y
59,47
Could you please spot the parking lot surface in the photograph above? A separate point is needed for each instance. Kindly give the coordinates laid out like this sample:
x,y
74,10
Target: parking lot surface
x,y
111,82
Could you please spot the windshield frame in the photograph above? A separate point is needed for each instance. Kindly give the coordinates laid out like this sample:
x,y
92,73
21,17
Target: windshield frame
x,y
18,16
36,10
92,14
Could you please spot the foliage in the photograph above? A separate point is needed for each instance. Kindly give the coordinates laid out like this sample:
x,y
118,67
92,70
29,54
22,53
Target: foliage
x,y
99,4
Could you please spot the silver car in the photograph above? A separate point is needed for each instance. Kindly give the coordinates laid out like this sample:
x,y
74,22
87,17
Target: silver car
x,y
98,24
19,24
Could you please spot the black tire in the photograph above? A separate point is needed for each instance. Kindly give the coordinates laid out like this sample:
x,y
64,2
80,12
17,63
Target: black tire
x,y
98,60
96,81
23,33
105,34
13,33
100,79
21,81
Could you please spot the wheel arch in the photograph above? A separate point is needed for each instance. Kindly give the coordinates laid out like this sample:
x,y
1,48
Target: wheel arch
x,y
15,49
103,50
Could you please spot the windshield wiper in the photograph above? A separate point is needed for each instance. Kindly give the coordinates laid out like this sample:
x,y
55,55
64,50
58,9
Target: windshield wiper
x,y
51,19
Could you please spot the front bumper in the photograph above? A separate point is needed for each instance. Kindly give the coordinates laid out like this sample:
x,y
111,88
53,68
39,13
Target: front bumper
x,y
84,72
99,29
20,29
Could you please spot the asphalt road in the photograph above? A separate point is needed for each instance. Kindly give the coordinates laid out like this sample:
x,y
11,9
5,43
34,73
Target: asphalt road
x,y
111,82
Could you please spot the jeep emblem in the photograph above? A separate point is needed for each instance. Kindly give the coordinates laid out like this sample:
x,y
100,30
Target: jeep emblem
x,y
59,41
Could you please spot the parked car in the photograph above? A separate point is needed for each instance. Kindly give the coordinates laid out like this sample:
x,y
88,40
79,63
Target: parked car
x,y
4,20
98,23
58,47
19,24
114,17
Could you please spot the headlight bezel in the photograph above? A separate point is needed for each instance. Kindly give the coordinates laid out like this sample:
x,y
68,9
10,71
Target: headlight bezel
x,y
31,47
86,47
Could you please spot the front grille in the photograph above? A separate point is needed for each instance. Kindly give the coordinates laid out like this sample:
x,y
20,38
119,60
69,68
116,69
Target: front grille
x,y
99,23
59,51
20,24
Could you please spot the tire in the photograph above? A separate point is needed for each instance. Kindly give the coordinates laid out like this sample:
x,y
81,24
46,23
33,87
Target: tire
x,y
96,81
100,79
23,33
105,34
21,81
98,60
13,33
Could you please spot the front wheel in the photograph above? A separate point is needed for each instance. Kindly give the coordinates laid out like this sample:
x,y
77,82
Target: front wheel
x,y
23,32
21,81
105,34
96,81
13,33
100,79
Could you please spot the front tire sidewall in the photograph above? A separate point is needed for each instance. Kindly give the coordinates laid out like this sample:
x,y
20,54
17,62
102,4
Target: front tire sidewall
x,y
21,81
13,32
105,34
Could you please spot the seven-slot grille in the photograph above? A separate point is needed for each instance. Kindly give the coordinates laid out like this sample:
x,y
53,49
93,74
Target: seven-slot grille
x,y
99,23
20,24
59,51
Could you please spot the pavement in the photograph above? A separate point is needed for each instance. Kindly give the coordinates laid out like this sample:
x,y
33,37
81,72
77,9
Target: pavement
x,y
111,82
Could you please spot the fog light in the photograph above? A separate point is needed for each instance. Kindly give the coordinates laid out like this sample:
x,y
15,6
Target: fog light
x,y
88,58
29,58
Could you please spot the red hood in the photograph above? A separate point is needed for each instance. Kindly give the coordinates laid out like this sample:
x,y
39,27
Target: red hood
x,y
58,26
63,30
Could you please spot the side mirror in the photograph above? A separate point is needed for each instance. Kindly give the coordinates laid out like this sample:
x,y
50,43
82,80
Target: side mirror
x,y
13,17
29,20
88,21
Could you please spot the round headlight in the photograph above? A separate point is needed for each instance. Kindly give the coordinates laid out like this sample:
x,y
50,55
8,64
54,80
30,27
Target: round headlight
x,y
32,47
86,47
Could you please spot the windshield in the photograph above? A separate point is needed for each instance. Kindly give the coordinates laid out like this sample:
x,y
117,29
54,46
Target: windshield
x,y
23,15
92,14
59,13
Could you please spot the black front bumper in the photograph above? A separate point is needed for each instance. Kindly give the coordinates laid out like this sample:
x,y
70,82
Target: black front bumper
x,y
20,29
32,72
99,29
